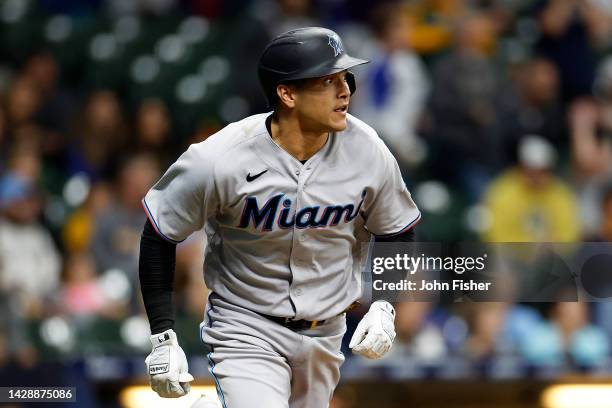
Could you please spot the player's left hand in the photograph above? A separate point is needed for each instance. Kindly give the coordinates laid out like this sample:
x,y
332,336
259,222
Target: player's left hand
x,y
375,332
167,366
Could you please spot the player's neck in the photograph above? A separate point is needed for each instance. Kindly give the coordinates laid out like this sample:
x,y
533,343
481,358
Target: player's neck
x,y
301,143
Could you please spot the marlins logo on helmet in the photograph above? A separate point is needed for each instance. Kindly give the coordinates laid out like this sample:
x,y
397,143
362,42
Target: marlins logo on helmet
x,y
334,42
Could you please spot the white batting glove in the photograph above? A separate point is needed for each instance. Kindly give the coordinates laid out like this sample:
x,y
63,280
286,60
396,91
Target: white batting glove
x,y
375,332
167,366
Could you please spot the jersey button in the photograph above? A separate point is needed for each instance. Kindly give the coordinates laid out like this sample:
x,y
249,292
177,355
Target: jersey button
x,y
297,172
303,238
298,292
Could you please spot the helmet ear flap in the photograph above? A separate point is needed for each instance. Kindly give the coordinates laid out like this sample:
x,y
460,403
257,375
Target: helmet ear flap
x,y
350,79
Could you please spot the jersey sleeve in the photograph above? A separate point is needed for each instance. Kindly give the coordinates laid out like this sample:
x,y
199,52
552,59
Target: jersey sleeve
x,y
184,198
392,211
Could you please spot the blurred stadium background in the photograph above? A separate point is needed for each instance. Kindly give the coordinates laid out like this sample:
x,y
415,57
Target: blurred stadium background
x,y
500,115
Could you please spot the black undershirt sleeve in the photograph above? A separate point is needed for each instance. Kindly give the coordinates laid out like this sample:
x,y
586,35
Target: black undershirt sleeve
x,y
156,273
406,236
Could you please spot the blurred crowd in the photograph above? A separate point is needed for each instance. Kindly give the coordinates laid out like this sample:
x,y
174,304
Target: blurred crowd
x,y
499,113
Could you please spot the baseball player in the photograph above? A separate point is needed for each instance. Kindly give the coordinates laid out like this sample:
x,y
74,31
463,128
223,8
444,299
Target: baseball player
x,y
286,199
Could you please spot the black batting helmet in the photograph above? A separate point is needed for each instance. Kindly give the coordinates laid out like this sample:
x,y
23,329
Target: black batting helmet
x,y
303,53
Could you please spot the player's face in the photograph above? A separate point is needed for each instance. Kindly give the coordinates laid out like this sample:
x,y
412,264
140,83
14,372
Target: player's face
x,y
322,103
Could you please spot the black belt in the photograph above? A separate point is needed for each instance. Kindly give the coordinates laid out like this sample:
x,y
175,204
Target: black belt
x,y
299,325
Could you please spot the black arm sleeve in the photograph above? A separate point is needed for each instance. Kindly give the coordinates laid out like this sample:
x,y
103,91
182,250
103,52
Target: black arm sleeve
x,y
406,236
156,273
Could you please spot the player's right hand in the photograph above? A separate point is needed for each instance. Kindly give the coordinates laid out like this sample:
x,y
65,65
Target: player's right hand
x,y
167,366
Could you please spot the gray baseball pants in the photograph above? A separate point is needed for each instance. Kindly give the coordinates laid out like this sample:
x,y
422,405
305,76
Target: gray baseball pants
x,y
259,363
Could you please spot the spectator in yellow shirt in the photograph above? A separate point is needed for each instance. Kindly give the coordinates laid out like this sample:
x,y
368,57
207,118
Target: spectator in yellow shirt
x,y
529,203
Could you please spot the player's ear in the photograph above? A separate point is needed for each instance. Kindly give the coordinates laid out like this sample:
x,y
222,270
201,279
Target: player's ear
x,y
286,95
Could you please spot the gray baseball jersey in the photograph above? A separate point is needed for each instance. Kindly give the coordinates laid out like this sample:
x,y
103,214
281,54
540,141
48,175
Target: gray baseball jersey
x,y
283,237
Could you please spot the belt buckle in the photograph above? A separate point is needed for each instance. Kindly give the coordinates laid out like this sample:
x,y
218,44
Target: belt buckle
x,y
314,324
291,323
